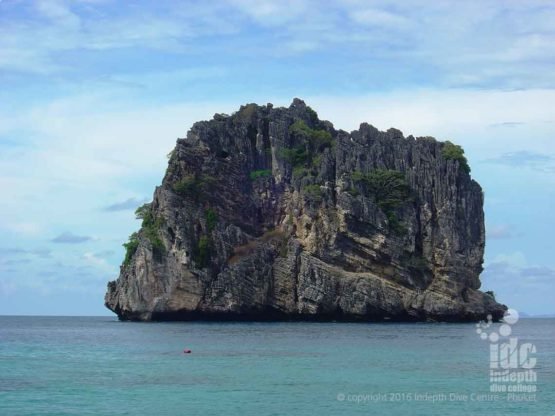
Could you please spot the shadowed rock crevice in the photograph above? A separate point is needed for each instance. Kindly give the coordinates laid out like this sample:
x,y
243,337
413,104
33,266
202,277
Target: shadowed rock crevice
x,y
272,214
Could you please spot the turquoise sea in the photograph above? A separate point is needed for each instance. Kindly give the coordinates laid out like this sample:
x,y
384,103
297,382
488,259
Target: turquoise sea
x,y
99,366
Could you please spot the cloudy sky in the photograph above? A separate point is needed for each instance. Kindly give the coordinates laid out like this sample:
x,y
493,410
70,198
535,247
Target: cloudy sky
x,y
95,92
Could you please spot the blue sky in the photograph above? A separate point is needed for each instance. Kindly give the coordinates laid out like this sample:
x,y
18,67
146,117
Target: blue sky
x,y
95,92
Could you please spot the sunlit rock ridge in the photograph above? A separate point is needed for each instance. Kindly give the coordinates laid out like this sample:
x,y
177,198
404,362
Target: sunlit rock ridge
x,y
273,214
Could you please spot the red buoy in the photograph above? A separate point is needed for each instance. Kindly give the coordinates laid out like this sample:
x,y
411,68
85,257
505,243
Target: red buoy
x,y
187,351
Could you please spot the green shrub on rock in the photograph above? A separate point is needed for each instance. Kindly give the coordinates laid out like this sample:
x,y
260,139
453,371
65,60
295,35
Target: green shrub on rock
x,y
130,248
452,151
319,139
194,186
388,187
211,219
186,185
297,155
299,128
300,172
150,229
314,192
256,174
203,251
390,190
151,226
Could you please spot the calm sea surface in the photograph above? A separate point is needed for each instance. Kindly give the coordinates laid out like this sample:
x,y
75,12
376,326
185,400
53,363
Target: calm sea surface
x,y
99,366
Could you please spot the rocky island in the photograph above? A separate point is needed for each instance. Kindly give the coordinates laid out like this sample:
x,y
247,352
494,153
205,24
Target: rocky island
x,y
273,214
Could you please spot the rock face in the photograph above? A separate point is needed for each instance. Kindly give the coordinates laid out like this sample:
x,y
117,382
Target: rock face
x,y
271,213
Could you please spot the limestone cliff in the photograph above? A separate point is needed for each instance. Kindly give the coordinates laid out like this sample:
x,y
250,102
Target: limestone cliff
x,y
271,213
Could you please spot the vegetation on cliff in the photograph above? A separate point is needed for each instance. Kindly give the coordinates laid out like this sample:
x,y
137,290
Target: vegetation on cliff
x,y
202,252
389,188
318,139
452,151
130,248
211,219
261,173
195,186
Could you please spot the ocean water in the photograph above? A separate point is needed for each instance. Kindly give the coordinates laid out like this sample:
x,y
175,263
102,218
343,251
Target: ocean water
x,y
99,366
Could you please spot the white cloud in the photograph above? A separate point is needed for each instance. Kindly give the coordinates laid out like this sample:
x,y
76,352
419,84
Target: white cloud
x,y
461,43
272,13
33,44
79,140
58,12
377,17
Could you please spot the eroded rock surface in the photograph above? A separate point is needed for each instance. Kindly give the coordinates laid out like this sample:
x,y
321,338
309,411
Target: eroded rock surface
x,y
271,213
